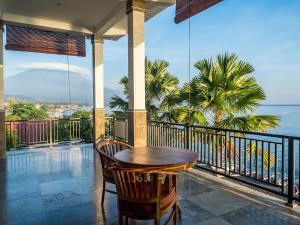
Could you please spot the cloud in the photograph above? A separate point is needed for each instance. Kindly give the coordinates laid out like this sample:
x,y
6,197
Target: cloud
x,y
56,66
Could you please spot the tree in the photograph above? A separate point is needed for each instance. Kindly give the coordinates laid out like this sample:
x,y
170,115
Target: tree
x,y
86,126
159,84
10,103
12,117
27,111
82,114
224,94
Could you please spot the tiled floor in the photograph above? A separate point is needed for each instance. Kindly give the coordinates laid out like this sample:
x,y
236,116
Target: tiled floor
x,y
63,186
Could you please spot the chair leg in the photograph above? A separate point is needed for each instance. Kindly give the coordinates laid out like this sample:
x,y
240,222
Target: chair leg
x,y
120,219
103,215
179,210
175,214
103,193
126,220
157,221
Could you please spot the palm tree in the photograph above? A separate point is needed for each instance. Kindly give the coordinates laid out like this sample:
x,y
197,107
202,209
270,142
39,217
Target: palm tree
x,y
159,84
120,104
224,94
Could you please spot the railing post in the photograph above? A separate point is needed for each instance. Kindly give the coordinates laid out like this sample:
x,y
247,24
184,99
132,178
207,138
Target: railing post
x,y
126,131
27,137
70,128
164,134
187,135
50,134
114,128
91,132
10,135
291,173
78,133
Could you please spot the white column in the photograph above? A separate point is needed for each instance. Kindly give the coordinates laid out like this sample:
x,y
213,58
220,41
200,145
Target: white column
x,y
2,110
137,115
136,54
1,68
98,89
98,76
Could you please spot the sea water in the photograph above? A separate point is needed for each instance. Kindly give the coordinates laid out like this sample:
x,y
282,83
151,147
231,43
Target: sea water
x,y
289,115
289,125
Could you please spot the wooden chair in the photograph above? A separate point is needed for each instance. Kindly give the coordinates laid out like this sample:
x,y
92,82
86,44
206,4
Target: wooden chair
x,y
106,150
145,195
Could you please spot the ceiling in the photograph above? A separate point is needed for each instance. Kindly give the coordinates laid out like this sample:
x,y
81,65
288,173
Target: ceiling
x,y
101,17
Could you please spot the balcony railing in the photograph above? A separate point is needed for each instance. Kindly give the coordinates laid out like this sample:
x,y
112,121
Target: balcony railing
x,y
22,133
267,161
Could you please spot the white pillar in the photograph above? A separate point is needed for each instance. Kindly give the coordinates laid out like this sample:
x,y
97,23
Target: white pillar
x,y
137,120
2,110
98,89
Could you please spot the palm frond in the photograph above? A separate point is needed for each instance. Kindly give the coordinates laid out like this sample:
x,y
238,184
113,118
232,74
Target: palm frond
x,y
119,103
260,123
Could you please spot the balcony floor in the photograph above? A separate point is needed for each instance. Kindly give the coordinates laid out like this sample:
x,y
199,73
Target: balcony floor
x,y
63,186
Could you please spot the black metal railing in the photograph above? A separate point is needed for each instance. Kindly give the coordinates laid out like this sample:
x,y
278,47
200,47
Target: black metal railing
x,y
267,161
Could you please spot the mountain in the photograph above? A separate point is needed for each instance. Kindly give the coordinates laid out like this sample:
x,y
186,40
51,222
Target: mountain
x,y
53,86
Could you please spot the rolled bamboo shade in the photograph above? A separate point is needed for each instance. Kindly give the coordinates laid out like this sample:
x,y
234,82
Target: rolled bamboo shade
x,y
42,41
189,8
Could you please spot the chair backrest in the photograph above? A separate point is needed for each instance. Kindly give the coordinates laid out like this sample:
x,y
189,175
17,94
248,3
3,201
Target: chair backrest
x,y
141,185
107,149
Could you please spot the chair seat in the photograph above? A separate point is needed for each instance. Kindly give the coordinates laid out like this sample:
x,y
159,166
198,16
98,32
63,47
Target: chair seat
x,y
165,201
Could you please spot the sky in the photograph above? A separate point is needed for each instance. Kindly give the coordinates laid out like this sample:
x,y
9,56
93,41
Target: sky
x,y
265,33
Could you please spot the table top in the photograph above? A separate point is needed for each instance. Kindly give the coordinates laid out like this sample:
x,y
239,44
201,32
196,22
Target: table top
x,y
155,157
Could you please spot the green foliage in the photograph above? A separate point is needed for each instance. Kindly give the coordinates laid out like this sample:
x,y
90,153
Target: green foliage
x,y
63,127
27,111
159,84
81,113
86,129
71,129
226,95
223,94
12,139
44,108
120,105
12,117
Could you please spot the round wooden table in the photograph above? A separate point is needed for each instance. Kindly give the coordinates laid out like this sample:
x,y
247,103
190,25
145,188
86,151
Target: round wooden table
x,y
160,158
156,157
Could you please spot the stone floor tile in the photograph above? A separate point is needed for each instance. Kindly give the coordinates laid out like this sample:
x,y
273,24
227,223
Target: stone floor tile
x,y
188,186
34,219
219,202
214,221
83,214
19,192
193,213
22,211
59,186
64,186
62,200
252,216
22,207
54,176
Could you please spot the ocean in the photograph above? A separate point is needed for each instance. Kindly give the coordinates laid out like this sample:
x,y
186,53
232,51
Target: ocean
x,y
290,118
289,125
